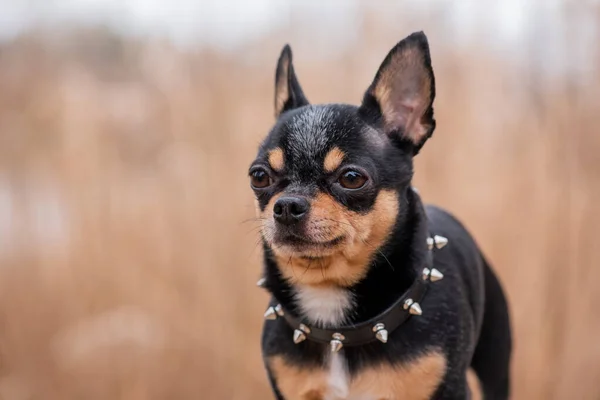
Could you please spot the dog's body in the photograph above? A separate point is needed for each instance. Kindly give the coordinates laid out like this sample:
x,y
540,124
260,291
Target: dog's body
x,y
345,237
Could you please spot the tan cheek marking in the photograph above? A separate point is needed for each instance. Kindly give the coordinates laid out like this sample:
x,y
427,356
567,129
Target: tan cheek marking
x,y
333,159
416,380
298,383
276,159
374,227
474,385
365,234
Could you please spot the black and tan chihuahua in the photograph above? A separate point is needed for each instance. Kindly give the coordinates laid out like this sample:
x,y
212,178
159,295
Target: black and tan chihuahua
x,y
374,295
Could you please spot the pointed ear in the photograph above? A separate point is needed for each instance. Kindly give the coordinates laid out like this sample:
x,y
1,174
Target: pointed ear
x,y
288,93
402,93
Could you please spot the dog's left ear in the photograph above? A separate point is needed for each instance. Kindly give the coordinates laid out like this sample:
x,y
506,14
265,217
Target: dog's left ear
x,y
402,93
288,93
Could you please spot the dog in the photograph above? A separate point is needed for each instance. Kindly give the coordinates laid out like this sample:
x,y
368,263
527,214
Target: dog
x,y
374,296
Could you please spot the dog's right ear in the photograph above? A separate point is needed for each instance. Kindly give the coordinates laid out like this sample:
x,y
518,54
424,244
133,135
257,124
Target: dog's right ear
x,y
288,93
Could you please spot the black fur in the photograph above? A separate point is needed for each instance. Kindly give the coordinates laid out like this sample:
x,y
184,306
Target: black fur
x,y
465,314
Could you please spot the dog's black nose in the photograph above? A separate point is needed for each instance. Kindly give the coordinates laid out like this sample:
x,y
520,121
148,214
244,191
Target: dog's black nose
x,y
289,210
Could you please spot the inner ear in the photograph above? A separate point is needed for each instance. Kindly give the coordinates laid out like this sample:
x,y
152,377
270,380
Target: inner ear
x,y
288,93
402,93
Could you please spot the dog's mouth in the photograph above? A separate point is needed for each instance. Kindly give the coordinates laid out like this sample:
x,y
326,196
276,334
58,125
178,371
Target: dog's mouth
x,y
295,240
306,247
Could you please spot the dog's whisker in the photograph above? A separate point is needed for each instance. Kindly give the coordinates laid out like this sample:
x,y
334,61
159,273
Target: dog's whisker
x,y
254,219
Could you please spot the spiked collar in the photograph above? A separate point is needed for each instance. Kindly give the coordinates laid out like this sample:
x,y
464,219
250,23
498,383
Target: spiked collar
x,y
377,328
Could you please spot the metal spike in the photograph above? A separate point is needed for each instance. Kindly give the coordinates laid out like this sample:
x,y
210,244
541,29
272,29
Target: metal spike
x,y
426,273
261,282
279,310
415,309
440,241
378,327
436,275
336,345
382,335
271,314
430,243
304,328
380,332
299,336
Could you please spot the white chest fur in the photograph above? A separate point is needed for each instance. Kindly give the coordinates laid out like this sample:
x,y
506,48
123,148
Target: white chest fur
x,y
324,306
338,381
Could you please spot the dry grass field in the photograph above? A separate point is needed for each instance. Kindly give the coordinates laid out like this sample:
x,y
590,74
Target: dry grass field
x,y
127,270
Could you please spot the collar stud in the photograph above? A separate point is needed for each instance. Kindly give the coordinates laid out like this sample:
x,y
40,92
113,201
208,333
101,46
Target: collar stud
x,y
380,332
272,312
413,307
437,241
299,336
436,275
336,344
432,274
440,241
300,333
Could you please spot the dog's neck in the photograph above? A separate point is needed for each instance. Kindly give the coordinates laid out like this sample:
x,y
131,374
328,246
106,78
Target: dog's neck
x,y
393,270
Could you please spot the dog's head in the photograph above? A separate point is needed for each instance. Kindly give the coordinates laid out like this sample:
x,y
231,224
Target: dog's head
x,y
329,179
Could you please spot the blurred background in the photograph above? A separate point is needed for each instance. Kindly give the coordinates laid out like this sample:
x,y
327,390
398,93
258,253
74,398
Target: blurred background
x,y
126,129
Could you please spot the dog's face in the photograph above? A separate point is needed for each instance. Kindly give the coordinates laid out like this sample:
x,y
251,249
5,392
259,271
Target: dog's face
x,y
329,179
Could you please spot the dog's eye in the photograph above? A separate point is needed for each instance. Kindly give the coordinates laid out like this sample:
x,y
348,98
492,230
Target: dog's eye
x,y
352,180
260,179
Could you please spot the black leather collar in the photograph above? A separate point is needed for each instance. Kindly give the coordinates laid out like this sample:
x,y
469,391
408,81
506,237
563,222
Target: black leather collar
x,y
365,332
377,328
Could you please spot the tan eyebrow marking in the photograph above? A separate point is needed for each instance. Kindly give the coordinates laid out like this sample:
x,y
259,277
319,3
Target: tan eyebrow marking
x,y
276,159
333,159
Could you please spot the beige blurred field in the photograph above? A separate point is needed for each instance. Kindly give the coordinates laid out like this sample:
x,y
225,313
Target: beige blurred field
x,y
127,270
